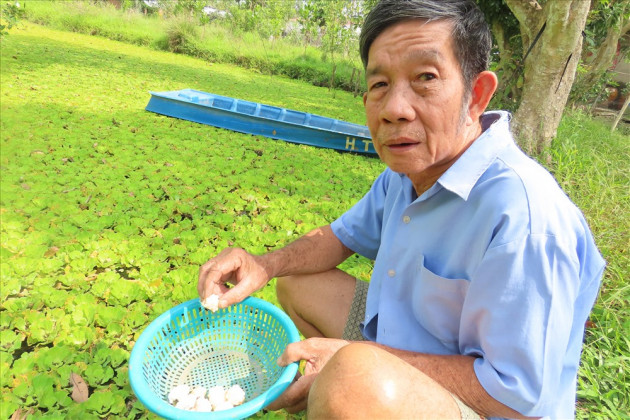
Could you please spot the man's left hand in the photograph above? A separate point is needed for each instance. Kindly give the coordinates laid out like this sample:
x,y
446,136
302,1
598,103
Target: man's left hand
x,y
316,352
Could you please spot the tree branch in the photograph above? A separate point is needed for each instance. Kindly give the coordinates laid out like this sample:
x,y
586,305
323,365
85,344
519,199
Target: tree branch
x,y
528,13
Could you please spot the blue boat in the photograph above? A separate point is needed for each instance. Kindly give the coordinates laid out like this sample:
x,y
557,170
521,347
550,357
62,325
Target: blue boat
x,y
264,120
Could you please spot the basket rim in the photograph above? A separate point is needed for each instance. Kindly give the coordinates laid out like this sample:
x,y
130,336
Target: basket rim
x,y
160,407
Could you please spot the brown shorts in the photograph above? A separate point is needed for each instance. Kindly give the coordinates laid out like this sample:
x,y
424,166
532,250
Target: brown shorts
x,y
352,332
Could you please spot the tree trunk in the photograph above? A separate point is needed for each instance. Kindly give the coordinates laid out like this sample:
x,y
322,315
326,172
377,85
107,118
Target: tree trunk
x,y
549,68
603,59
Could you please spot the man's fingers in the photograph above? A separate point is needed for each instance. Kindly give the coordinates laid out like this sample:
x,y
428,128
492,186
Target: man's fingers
x,y
294,352
295,397
235,266
297,407
231,296
209,276
217,271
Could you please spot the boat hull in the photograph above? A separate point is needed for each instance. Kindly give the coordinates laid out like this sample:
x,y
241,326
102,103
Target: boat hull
x,y
264,120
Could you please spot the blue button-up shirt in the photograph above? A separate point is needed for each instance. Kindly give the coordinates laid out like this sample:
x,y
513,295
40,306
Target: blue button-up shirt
x,y
493,261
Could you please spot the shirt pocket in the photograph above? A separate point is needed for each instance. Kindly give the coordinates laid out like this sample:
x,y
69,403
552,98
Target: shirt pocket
x,y
437,305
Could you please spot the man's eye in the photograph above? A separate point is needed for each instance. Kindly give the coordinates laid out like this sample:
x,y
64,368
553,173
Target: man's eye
x,y
425,77
378,85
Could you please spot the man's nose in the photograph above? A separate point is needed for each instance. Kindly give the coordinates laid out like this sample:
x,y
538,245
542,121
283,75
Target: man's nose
x,y
398,105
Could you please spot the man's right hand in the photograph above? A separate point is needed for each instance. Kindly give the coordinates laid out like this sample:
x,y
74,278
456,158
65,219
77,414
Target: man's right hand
x,y
235,266
317,251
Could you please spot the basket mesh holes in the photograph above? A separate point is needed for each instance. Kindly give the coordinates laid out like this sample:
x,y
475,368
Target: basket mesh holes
x,y
241,346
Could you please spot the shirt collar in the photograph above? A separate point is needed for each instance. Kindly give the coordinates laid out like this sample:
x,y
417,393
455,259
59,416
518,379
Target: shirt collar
x,y
462,176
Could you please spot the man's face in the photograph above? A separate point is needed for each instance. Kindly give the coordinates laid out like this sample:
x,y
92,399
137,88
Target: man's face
x,y
415,100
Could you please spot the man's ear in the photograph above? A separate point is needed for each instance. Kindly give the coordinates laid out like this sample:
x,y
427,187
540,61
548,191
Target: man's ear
x,y
483,87
364,98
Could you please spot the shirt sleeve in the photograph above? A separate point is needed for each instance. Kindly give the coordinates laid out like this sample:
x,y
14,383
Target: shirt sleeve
x,y
360,227
524,319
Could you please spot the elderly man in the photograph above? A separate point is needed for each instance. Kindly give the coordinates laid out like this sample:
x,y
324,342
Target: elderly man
x,y
484,271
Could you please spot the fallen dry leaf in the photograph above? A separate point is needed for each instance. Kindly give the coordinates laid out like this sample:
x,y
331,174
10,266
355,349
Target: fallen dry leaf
x,y
20,415
51,251
17,415
80,390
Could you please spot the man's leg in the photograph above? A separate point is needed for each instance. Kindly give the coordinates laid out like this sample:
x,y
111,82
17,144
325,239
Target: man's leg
x,y
363,381
318,303
359,377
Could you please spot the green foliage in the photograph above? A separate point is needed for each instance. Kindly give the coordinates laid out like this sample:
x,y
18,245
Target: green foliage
x,y
603,15
10,14
311,18
182,35
590,84
590,164
341,28
190,7
507,53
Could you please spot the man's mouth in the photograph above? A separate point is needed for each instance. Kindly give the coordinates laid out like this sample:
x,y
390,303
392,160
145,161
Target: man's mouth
x,y
401,145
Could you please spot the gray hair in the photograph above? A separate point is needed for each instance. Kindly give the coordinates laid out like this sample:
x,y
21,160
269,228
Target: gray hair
x,y
472,40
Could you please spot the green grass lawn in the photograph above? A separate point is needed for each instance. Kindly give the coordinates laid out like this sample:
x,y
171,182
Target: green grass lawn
x,y
107,212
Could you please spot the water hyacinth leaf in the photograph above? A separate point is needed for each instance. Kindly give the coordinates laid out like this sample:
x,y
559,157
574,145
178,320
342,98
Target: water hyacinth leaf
x,y
99,403
84,265
115,331
127,292
96,374
136,316
118,404
39,328
23,389
178,250
79,336
184,276
114,356
10,405
83,309
75,281
10,340
52,298
49,265
54,357
109,315
44,390
122,377
6,359
23,266
107,258
10,286
5,254
153,270
34,251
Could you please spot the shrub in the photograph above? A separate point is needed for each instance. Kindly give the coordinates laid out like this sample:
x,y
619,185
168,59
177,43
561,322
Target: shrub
x,y
183,36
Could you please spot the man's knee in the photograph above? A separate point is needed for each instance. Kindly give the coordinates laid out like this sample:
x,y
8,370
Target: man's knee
x,y
351,384
364,381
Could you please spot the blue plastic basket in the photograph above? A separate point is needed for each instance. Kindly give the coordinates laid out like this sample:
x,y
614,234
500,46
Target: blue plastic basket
x,y
191,345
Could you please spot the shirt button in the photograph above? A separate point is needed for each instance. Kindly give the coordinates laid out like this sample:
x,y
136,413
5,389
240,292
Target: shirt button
x,y
406,219
391,273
